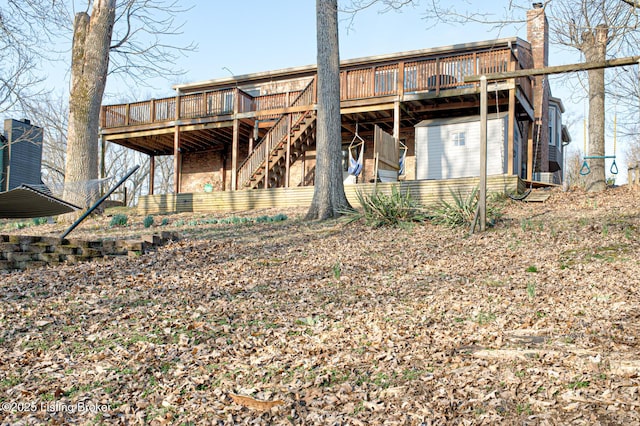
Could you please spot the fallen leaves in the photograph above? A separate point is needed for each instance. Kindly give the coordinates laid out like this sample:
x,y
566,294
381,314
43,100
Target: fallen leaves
x,y
299,323
255,404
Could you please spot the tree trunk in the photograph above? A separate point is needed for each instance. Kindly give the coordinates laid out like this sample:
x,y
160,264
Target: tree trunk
x,y
329,199
89,66
595,50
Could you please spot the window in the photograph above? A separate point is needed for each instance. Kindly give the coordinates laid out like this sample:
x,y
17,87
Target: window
x,y
552,125
458,138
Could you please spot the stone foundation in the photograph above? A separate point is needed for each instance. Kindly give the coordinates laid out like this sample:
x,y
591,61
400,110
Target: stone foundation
x,y
26,252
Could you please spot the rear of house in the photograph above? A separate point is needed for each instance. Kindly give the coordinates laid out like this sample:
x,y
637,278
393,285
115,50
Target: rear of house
x,y
257,131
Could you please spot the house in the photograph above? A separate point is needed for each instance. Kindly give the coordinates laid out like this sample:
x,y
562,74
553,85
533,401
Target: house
x,y
20,154
258,130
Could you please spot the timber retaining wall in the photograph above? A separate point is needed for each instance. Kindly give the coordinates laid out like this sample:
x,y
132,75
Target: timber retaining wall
x,y
426,192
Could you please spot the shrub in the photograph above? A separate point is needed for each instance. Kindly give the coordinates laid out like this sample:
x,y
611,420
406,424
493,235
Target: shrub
x,y
461,211
379,209
148,221
119,220
39,221
262,219
278,218
165,222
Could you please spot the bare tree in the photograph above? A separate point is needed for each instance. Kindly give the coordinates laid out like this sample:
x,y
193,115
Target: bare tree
x,y
164,174
118,161
139,50
52,114
593,27
25,29
136,52
573,166
89,66
329,199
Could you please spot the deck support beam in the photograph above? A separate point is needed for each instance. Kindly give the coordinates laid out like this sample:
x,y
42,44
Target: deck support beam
x,y
482,201
235,141
234,154
532,128
176,159
288,157
396,121
152,173
511,130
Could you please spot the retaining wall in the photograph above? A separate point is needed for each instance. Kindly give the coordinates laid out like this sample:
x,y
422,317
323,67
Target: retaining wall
x,y
25,252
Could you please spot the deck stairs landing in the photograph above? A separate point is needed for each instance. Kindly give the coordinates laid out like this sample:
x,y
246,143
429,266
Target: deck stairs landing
x,y
266,165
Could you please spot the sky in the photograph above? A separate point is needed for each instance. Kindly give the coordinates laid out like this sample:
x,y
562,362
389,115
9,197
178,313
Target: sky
x,y
247,36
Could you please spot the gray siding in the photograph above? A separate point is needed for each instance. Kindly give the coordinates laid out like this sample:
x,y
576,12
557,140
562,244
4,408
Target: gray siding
x,y
23,155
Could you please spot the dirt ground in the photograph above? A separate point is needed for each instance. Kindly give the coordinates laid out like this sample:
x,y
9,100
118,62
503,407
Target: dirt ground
x,y
535,321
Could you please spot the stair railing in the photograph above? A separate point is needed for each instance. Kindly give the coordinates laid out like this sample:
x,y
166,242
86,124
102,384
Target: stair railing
x,y
274,137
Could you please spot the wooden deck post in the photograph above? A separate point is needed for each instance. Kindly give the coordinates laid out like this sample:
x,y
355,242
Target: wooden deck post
x,y
176,147
266,161
303,171
152,111
235,142
396,120
482,201
234,155
152,172
400,88
532,128
176,159
288,157
511,120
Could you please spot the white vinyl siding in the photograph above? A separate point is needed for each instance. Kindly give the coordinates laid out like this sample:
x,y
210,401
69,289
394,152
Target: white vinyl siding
x,y
450,148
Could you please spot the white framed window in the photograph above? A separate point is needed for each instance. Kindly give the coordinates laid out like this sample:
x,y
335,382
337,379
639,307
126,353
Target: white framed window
x,y
458,138
552,125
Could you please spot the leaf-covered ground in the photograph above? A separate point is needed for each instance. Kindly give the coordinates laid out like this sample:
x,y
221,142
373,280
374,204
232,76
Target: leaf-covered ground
x,y
534,322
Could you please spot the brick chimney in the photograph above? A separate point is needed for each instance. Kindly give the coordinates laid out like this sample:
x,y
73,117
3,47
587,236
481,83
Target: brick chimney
x,y
538,36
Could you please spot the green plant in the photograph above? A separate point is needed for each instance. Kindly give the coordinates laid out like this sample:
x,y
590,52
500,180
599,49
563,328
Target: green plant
x,y
485,317
578,384
458,213
380,209
278,218
40,221
531,290
165,221
119,220
337,270
532,268
19,225
524,409
461,211
148,221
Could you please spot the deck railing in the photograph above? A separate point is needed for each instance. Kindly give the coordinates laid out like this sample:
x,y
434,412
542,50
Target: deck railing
x,y
428,74
275,136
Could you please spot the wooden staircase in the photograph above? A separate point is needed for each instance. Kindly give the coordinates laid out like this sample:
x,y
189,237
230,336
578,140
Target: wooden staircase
x,y
294,132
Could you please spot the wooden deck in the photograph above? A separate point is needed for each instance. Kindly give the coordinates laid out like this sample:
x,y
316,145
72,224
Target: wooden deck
x,y
421,79
427,192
